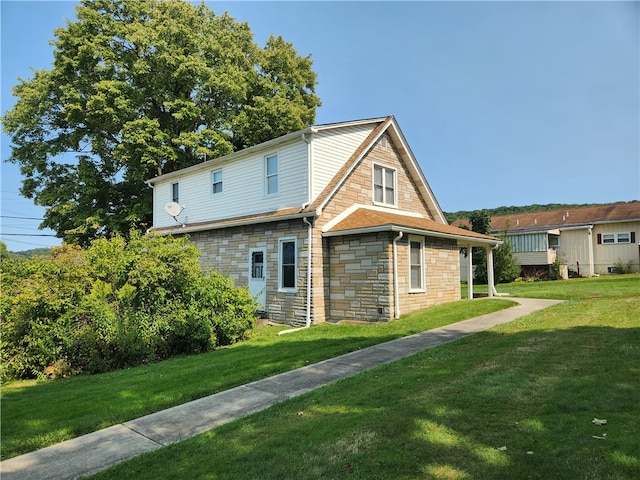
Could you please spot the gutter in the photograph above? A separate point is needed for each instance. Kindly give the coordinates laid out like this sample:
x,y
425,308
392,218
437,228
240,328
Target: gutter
x,y
309,257
477,242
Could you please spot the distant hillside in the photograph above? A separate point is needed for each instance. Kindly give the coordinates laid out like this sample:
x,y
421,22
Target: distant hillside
x,y
495,212
30,253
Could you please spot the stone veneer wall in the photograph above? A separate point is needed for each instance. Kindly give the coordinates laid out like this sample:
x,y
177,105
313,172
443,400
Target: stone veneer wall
x,y
360,278
227,251
442,274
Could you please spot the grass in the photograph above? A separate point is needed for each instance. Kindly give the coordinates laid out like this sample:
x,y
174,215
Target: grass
x,y
37,414
516,401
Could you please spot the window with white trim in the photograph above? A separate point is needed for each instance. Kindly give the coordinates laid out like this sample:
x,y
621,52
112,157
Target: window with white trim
x,y
287,264
615,238
175,192
416,264
271,174
384,185
216,181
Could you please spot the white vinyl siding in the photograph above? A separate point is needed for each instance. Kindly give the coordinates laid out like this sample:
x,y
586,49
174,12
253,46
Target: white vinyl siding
x,y
244,191
331,149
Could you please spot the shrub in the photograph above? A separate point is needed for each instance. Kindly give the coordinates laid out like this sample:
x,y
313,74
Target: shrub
x,y
113,305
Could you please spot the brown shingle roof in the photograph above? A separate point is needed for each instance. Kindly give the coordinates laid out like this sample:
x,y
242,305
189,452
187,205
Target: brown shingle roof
x,y
568,217
368,220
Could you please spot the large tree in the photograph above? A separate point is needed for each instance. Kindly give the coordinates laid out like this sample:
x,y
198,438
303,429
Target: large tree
x,y
141,88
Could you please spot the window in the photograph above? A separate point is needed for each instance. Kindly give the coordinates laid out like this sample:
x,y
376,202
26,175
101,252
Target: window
x,y
384,185
175,193
257,265
287,267
216,181
271,169
623,238
416,265
613,238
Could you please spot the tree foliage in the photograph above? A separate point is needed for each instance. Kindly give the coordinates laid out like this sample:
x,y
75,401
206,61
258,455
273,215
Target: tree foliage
x,y
140,88
505,265
116,304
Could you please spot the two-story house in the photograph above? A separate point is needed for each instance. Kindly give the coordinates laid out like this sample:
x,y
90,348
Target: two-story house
x,y
333,222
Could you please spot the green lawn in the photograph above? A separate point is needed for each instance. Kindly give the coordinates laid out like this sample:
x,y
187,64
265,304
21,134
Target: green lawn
x,y
516,401
37,414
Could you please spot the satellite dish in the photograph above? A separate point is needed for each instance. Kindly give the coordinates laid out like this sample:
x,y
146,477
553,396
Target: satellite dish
x,y
174,209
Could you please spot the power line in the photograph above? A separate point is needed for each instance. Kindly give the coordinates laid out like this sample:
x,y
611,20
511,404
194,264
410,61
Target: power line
x,y
21,218
28,234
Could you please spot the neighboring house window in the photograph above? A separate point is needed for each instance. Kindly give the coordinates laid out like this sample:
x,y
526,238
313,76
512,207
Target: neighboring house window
x,y
613,238
287,264
384,185
416,265
216,181
271,169
175,193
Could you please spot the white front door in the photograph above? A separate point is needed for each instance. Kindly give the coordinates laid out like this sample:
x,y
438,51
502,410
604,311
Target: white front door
x,y
258,275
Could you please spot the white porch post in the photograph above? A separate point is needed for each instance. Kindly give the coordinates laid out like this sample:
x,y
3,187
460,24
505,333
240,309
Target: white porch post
x,y
469,273
490,278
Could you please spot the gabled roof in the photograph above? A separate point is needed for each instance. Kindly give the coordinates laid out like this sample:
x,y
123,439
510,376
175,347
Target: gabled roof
x,y
363,220
565,218
390,125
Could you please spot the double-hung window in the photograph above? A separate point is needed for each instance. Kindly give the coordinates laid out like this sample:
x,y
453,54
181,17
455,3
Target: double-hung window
x,y
416,264
613,238
216,181
384,185
287,264
175,192
271,174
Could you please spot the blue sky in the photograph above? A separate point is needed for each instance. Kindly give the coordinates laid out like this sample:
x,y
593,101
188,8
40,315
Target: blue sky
x,y
502,103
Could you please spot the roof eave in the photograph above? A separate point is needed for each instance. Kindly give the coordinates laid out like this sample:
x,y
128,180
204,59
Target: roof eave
x,y
178,230
473,241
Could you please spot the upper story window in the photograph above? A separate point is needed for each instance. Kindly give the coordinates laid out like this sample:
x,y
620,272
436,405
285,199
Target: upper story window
x,y
216,181
271,177
614,238
384,185
175,192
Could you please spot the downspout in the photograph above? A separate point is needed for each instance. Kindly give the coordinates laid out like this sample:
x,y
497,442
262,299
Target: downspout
x,y
396,294
309,243
309,256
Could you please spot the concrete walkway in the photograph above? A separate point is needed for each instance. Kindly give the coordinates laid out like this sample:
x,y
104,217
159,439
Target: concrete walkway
x,y
99,450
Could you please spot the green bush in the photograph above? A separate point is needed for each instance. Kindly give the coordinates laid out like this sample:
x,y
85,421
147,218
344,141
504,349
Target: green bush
x,y
114,305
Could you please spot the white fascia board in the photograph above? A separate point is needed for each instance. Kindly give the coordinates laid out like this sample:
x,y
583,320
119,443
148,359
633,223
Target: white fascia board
x,y
417,171
354,165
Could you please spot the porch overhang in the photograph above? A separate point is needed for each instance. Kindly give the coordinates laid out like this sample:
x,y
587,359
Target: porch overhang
x,y
365,220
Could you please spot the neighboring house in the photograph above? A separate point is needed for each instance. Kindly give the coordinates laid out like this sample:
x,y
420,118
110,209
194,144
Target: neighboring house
x,y
332,222
588,240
